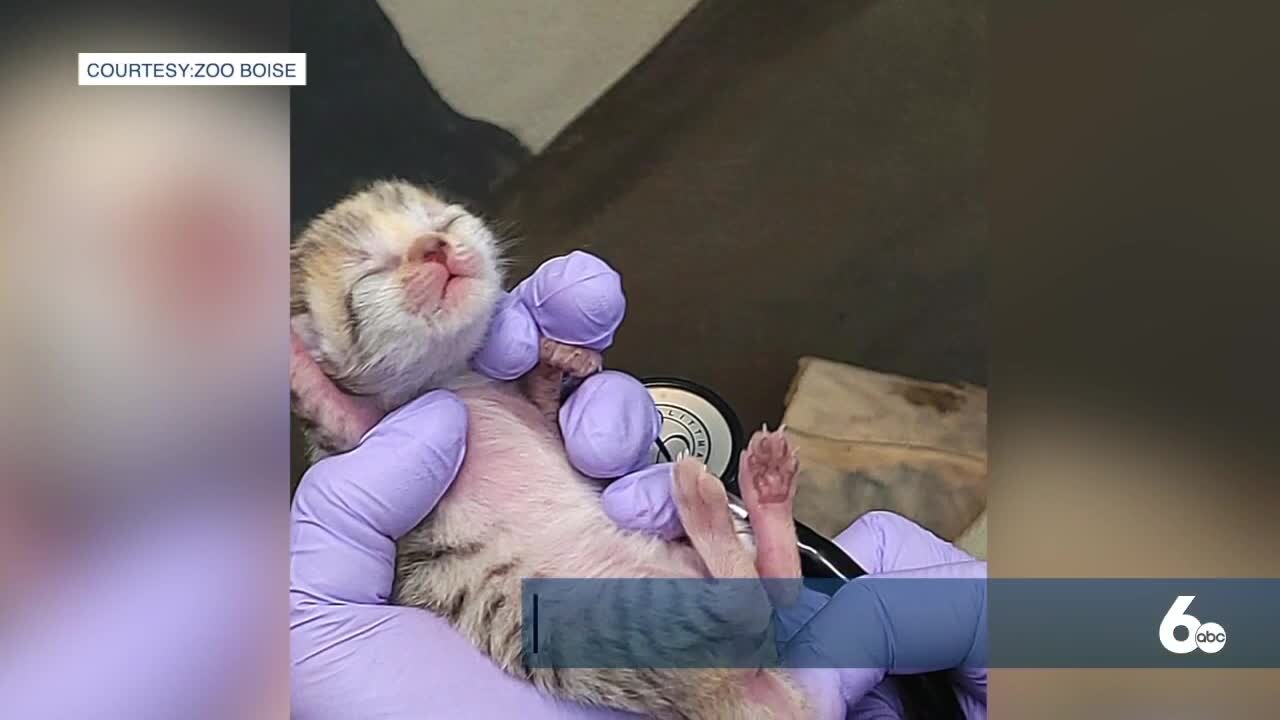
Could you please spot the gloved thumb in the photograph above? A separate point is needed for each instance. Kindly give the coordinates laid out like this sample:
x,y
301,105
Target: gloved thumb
x,y
642,501
350,509
609,424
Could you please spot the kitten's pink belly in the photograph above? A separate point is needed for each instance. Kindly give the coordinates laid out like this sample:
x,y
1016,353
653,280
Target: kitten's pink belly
x,y
517,487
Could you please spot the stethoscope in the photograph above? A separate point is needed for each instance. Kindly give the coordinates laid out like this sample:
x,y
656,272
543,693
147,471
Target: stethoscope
x,y
698,422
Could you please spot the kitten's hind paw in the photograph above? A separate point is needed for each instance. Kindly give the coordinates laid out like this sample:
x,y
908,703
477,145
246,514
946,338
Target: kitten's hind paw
x,y
703,507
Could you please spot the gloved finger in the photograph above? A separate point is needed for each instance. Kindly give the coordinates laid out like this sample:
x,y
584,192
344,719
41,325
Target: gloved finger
x,y
970,677
510,348
575,299
349,509
883,624
882,541
884,702
609,425
971,689
156,599
858,683
394,662
642,501
822,688
955,601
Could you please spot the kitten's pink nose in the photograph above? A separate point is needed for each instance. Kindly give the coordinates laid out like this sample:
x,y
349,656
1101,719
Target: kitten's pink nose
x,y
429,248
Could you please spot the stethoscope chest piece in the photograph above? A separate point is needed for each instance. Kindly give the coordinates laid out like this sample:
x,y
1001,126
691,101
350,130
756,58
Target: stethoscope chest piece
x,y
697,422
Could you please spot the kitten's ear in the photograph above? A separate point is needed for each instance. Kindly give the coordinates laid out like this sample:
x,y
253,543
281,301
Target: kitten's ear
x,y
340,420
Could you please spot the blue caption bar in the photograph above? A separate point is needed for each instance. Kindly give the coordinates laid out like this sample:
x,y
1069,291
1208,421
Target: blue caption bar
x,y
889,623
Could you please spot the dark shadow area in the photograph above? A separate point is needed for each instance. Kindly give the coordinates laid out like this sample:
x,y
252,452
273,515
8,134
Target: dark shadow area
x,y
776,180
368,113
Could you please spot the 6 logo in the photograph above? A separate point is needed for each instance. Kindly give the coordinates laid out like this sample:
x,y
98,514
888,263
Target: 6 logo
x,y
1209,637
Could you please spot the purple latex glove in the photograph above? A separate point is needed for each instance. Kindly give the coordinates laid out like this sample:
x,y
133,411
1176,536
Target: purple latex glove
x,y
575,299
609,423
353,655
511,348
642,501
928,635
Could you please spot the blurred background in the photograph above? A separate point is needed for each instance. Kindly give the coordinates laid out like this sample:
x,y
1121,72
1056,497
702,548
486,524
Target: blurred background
x,y
143,400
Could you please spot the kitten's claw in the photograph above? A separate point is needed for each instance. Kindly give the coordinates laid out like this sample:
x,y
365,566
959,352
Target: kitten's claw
x,y
545,382
576,361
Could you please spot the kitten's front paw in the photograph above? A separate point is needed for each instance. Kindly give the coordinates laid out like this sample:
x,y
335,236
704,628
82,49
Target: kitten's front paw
x,y
576,361
767,478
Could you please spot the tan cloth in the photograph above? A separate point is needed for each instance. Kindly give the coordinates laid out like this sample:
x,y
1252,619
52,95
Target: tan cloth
x,y
874,441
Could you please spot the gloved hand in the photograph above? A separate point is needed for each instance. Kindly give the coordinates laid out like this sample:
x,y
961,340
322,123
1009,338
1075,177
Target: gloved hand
x,y
933,631
609,423
355,656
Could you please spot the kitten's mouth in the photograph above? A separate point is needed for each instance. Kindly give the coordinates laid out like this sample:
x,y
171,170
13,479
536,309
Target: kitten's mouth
x,y
436,284
456,264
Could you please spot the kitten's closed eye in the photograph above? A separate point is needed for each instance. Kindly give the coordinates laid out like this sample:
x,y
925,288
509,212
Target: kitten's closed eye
x,y
456,213
388,274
